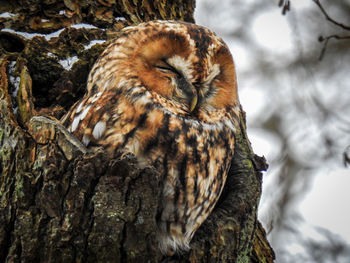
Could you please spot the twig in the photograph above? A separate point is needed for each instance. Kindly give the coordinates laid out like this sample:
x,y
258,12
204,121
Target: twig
x,y
317,2
285,4
326,39
346,156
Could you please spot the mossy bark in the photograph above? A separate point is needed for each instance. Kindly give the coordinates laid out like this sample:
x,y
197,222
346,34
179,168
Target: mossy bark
x,y
60,202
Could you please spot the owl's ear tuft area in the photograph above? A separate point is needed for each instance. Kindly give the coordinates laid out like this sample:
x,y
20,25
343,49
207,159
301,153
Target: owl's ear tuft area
x,y
162,47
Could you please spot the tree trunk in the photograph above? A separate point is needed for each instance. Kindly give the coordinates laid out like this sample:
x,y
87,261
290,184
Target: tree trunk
x,y
60,202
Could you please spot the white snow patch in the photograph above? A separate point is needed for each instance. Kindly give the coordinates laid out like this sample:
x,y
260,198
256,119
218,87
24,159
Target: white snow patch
x,y
51,55
77,26
69,62
27,35
23,34
6,15
120,18
94,42
54,34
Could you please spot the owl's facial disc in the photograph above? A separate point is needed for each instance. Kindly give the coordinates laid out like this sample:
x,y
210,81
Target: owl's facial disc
x,y
160,69
183,90
172,81
195,76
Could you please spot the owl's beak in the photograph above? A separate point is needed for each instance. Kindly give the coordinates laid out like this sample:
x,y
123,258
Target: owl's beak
x,y
189,92
194,102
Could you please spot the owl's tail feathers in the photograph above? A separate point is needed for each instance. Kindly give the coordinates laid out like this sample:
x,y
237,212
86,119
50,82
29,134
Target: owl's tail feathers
x,y
172,241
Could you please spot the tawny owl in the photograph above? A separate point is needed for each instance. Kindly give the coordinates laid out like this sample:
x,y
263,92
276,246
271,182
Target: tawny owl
x,y
166,92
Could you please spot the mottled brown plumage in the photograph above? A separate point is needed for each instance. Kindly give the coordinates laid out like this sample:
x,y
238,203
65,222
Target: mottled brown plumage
x,y
166,91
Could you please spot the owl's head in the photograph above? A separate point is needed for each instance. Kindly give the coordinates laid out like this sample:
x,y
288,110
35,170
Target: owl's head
x,y
184,64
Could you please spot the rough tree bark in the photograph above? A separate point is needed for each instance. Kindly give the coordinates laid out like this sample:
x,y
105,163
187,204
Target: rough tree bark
x,y
60,202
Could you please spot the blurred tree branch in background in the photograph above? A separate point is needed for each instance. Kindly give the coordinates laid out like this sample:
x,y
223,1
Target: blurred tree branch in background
x,y
285,5
324,48
327,38
329,18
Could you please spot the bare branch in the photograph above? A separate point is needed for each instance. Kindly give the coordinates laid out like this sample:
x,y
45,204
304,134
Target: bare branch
x,y
326,39
317,2
346,156
285,4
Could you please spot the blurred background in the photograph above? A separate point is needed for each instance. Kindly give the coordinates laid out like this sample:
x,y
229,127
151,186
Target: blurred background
x,y
295,87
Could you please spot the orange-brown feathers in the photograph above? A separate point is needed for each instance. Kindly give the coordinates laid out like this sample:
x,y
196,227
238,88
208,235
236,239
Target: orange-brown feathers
x,y
152,53
226,81
166,92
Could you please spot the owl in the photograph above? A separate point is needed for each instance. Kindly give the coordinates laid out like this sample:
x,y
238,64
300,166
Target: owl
x,y
166,92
